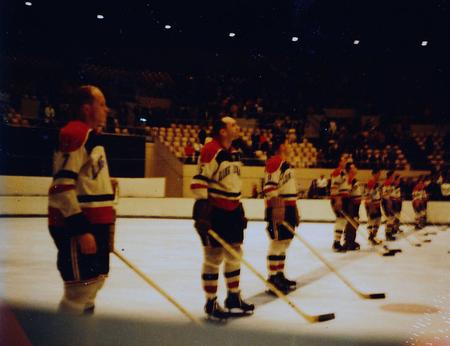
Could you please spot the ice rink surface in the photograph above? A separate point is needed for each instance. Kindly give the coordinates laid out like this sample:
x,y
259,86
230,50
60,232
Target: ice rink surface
x,y
416,281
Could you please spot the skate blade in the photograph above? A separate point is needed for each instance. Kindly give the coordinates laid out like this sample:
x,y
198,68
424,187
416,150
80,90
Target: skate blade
x,y
237,313
216,320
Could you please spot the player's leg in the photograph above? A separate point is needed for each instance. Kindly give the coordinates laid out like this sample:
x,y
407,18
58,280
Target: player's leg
x,y
83,275
339,227
350,231
231,229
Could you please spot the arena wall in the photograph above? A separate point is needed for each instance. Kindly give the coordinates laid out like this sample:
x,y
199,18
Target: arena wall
x,y
143,197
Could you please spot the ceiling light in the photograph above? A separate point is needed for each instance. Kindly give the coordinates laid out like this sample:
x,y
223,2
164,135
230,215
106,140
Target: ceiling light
x,y
100,16
424,43
294,39
167,26
356,42
231,34
28,3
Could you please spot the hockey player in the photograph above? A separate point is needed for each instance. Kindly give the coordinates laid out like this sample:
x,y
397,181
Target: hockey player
x,y
280,192
80,211
373,206
340,201
355,195
386,202
419,202
396,201
217,189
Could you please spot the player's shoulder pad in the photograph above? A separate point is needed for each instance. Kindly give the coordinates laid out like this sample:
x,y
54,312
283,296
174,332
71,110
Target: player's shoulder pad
x,y
371,184
72,136
336,172
209,151
273,164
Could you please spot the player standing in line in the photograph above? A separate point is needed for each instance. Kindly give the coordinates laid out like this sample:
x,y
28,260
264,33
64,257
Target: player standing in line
x,y
419,202
80,213
217,189
280,192
353,210
373,206
386,203
396,198
340,201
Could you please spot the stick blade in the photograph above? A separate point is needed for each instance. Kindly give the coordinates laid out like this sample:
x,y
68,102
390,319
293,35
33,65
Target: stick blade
x,y
324,317
377,296
389,254
427,241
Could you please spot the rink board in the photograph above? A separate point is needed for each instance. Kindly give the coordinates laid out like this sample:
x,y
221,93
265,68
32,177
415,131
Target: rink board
x,y
311,210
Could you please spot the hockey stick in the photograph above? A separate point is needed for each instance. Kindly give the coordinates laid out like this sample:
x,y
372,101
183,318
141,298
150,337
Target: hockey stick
x,y
279,294
355,224
331,268
153,284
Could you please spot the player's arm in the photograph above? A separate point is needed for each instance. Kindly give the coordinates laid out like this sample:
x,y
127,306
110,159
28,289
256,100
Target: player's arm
x,y
271,187
62,193
207,165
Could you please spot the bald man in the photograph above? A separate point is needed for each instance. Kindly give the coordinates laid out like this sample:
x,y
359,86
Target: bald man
x,y
80,213
217,189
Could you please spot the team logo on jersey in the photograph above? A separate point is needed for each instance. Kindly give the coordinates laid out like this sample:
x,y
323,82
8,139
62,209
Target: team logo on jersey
x,y
229,170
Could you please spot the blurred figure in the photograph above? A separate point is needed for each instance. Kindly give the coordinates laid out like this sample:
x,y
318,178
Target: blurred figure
x,y
322,185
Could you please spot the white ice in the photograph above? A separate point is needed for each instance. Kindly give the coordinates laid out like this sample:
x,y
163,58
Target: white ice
x,y
169,251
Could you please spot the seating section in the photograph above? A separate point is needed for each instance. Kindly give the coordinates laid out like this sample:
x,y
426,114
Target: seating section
x,y
177,136
432,146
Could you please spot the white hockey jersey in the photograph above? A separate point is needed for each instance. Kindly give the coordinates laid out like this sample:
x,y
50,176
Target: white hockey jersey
x,y
280,181
81,192
218,176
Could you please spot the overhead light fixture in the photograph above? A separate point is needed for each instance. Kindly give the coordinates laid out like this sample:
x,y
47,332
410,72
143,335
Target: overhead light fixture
x,y
28,3
356,42
231,34
294,39
100,16
424,43
167,26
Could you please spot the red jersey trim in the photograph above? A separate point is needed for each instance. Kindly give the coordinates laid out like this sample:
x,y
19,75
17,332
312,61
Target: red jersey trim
x,y
72,136
225,204
273,164
209,151
98,215
60,188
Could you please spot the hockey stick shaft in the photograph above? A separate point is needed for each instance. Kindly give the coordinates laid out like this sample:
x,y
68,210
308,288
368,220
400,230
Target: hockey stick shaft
x,y
328,264
281,295
153,284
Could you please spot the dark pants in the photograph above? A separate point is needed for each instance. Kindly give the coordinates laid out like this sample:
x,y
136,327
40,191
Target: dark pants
x,y
229,225
290,216
72,264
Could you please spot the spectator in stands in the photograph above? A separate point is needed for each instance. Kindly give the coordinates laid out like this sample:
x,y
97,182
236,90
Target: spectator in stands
x,y
407,185
49,115
255,191
322,185
429,145
14,118
189,152
202,136
445,187
111,124
434,189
